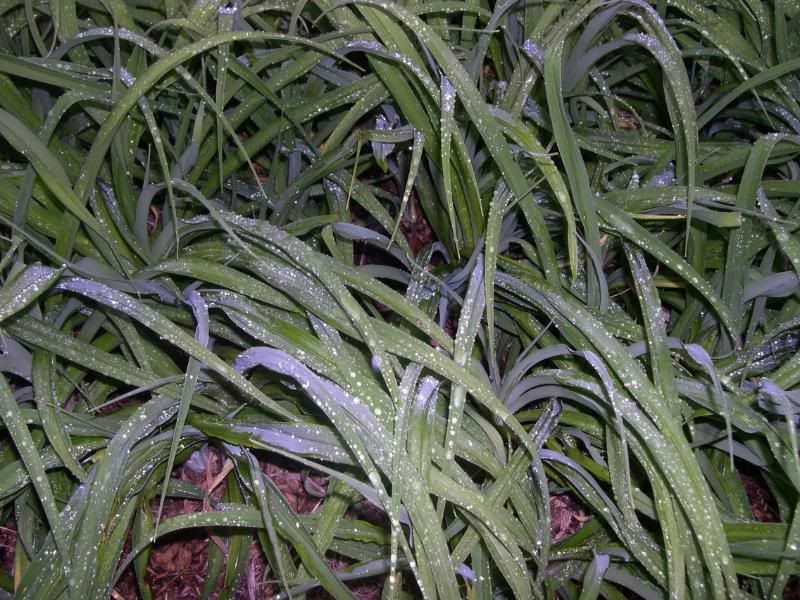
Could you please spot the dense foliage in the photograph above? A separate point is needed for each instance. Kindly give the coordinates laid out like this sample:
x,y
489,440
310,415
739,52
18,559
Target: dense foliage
x,y
453,256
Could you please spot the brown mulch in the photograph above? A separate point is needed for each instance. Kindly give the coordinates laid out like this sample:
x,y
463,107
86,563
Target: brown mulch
x,y
568,515
177,569
8,546
304,492
256,582
761,501
765,509
792,589
177,566
415,226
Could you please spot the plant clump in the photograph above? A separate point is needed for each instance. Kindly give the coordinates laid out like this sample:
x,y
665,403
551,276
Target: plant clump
x,y
430,299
